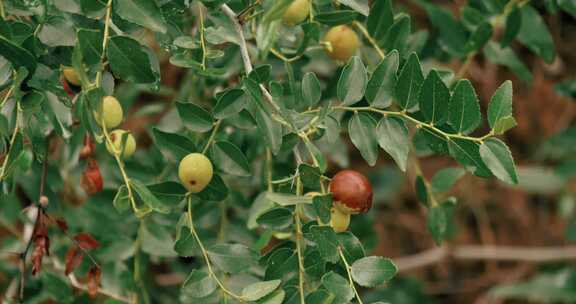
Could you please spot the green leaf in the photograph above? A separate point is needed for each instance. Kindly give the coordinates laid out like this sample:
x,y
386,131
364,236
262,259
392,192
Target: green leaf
x,y
422,190
338,286
261,74
568,6
176,146
479,37
281,262
194,117
360,6
326,241
440,220
90,43
500,104
230,158
380,89
467,153
394,138
311,90
322,205
277,218
380,19
464,114
507,58
122,200
352,82
199,284
535,36
314,265
57,31
148,197
276,297
362,133
156,240
452,34
373,270
512,28
444,179
215,191
498,158
320,296
309,175
434,99
276,11
129,60
336,17
232,258
504,124
142,12
351,246
409,82
258,290
287,199
171,193
397,36
18,56
230,103
270,129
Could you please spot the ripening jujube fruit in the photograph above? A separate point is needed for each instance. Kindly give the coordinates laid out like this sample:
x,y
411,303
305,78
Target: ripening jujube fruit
x,y
344,42
351,192
195,172
111,111
339,221
296,12
117,138
71,76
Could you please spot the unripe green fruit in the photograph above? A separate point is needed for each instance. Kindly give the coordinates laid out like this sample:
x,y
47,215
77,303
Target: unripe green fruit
x,y
339,221
111,111
296,12
71,76
116,137
195,172
344,42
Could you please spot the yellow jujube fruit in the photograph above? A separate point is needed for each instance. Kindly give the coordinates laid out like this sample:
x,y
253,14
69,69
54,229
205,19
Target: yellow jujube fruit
x,y
339,221
296,12
116,137
71,76
111,111
343,41
195,172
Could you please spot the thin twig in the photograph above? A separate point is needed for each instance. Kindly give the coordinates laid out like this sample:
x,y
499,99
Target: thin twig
x,y
349,272
486,252
299,248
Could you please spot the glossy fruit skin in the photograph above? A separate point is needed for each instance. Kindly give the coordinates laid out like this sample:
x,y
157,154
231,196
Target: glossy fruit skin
x,y
297,12
339,221
116,138
351,191
344,43
195,172
111,111
71,76
91,178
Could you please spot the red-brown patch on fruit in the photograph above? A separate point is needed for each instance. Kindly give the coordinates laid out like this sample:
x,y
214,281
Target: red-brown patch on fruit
x,y
352,192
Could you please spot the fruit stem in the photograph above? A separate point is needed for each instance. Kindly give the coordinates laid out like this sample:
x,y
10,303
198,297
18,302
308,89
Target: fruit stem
x,y
299,189
370,39
104,42
205,253
212,135
201,30
12,141
348,271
